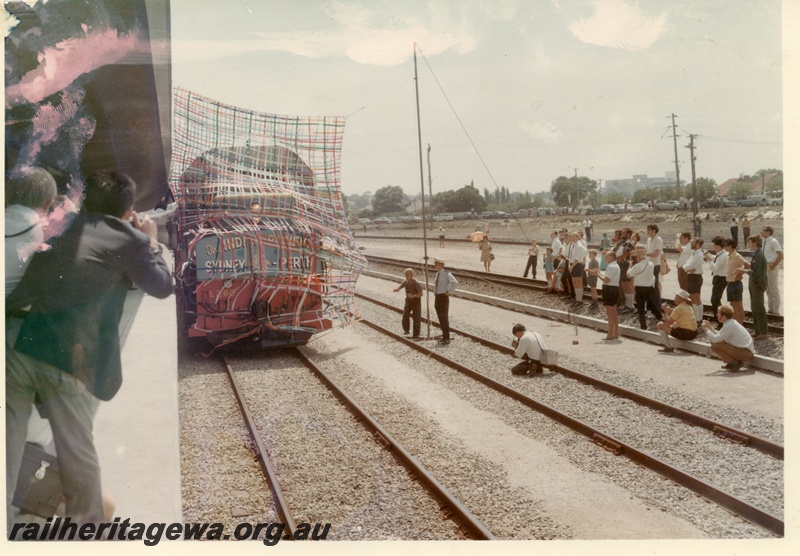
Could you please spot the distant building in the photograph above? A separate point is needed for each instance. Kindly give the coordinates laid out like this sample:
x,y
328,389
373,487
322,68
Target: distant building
x,y
639,181
755,183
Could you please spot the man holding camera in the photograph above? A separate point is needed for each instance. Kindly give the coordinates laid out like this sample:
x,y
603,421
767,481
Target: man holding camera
x,y
732,343
529,347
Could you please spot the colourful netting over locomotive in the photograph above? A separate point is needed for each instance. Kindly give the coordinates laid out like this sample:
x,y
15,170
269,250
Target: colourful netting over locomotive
x,y
264,250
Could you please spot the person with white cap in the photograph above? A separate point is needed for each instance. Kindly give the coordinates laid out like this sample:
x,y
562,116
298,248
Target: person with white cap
x,y
442,286
678,322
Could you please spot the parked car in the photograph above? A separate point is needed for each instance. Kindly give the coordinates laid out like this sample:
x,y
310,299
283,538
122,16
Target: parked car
x,y
752,201
364,221
606,209
729,203
668,205
638,207
773,201
381,220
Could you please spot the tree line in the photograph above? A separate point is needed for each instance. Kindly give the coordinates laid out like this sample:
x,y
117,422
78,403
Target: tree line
x,y
573,191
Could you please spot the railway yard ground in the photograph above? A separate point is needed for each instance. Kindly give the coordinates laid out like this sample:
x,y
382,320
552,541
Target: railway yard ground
x,y
520,474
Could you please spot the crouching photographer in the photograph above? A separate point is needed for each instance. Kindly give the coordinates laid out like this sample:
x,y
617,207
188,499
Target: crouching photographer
x,y
529,347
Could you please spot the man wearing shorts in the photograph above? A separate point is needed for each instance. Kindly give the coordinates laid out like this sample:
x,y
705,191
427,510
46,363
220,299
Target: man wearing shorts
x,y
734,287
678,323
684,251
576,263
610,293
694,276
719,269
623,250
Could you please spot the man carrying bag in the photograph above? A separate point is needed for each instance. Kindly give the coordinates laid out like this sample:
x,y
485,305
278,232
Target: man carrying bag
x,y
529,347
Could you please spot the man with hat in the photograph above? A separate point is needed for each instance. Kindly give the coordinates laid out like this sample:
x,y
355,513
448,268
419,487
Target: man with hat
x,y
678,322
442,286
529,347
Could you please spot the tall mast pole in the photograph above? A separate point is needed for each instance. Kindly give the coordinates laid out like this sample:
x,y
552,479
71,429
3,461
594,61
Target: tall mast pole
x,y
677,169
430,186
422,187
695,220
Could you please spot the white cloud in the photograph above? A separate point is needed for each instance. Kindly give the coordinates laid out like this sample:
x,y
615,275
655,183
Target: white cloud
x,y
373,36
500,10
545,132
616,24
366,35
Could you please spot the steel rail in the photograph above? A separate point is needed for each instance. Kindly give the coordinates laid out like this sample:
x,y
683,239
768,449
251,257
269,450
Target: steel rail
x,y
723,431
541,287
281,505
501,241
733,504
458,512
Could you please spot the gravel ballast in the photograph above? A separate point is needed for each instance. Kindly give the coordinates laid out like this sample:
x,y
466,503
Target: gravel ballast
x,y
756,477
331,468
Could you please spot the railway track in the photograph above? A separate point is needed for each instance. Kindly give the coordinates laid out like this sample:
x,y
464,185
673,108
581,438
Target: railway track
x,y
723,431
703,488
467,523
774,322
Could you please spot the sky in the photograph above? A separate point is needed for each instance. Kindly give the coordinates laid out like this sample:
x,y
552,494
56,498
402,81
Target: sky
x,y
512,93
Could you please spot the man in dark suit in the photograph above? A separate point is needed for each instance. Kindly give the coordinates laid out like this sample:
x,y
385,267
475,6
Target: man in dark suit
x,y
62,337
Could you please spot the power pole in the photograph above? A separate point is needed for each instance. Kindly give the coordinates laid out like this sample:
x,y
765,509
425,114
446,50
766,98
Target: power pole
x,y
430,187
577,189
677,168
599,192
422,186
695,219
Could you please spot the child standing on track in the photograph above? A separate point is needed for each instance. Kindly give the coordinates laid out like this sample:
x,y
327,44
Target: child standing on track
x,y
548,265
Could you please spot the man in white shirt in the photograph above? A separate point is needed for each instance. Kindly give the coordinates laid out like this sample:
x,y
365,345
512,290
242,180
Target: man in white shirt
x,y
582,240
719,267
733,343
555,243
654,249
576,261
774,255
623,250
694,276
528,346
587,229
610,293
443,285
643,283
684,251
555,246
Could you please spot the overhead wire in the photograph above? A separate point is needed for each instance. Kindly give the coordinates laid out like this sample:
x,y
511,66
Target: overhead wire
x,y
469,137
